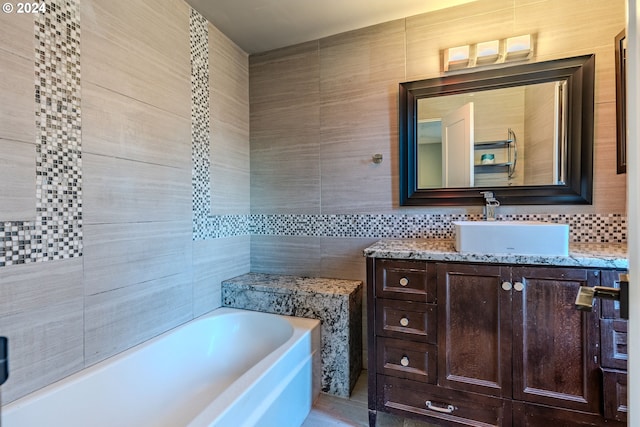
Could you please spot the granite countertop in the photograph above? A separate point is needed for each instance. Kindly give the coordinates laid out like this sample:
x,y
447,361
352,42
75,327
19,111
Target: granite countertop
x,y
598,255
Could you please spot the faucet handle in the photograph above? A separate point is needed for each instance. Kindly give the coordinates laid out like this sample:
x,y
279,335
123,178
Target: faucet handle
x,y
487,194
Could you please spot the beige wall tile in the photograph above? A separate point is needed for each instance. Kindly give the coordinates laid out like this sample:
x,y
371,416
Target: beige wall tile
x,y
17,92
568,28
139,49
293,255
41,312
216,260
17,118
17,34
285,175
284,77
285,168
359,73
429,34
119,126
342,257
121,318
229,150
17,181
121,255
118,190
609,192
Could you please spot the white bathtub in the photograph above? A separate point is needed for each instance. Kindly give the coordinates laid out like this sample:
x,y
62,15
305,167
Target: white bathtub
x,y
229,368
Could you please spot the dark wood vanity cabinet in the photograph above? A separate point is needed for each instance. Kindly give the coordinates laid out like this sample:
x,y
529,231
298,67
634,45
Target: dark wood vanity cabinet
x,y
485,344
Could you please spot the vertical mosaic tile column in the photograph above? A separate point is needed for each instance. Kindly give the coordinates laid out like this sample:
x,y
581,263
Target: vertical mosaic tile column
x,y
200,114
57,231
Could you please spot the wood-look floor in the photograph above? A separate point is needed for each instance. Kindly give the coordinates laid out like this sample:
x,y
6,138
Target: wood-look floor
x,y
331,411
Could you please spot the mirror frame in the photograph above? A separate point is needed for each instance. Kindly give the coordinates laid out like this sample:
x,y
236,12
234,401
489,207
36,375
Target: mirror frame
x,y
577,71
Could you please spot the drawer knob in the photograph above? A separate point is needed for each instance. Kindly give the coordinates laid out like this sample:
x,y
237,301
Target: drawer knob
x,y
404,321
404,361
448,410
404,281
506,286
518,286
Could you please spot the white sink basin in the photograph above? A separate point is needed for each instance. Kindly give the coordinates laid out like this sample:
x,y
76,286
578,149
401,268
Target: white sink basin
x,y
512,237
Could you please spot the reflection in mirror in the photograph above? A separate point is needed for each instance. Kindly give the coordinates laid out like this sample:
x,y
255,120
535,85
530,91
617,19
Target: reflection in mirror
x,y
495,138
524,131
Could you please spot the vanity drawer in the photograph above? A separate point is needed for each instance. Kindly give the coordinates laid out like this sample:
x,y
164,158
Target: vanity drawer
x,y
614,392
452,406
406,280
406,359
406,320
613,341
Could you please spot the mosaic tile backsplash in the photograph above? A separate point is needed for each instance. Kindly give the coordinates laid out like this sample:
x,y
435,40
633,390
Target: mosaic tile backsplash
x,y
585,228
57,231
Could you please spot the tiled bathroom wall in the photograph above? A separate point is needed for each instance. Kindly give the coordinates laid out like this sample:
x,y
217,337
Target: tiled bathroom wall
x,y
321,110
99,251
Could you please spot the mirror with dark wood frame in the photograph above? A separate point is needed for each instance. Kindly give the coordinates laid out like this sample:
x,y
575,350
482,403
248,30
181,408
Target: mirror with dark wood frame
x,y
447,161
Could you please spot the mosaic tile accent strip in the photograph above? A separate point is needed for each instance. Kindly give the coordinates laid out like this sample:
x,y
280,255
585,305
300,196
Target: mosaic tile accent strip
x,y
57,230
205,225
584,228
200,113
218,226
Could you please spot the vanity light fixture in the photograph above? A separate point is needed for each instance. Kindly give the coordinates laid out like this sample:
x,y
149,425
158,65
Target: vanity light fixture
x,y
487,52
456,58
518,48
493,52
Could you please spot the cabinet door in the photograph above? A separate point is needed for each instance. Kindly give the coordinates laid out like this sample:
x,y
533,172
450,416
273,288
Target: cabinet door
x,y
474,329
555,346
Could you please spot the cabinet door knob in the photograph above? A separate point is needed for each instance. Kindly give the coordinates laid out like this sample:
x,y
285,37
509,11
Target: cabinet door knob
x,y
448,410
404,321
404,281
518,286
404,361
506,286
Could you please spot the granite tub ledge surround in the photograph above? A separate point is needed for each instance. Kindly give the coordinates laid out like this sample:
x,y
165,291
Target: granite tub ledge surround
x,y
597,255
337,303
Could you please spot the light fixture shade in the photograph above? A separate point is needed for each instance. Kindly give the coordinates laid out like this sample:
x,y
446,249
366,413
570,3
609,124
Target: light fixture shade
x,y
487,52
456,57
519,47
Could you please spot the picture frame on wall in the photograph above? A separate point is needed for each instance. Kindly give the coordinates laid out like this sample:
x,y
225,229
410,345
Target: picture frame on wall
x,y
621,114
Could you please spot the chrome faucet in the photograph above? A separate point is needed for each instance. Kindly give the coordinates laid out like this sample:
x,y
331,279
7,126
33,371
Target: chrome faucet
x,y
491,204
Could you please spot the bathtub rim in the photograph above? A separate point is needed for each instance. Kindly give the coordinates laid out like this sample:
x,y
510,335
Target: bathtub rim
x,y
300,326
302,329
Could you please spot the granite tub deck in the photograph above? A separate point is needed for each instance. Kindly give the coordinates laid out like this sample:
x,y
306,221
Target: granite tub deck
x,y
596,255
336,303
